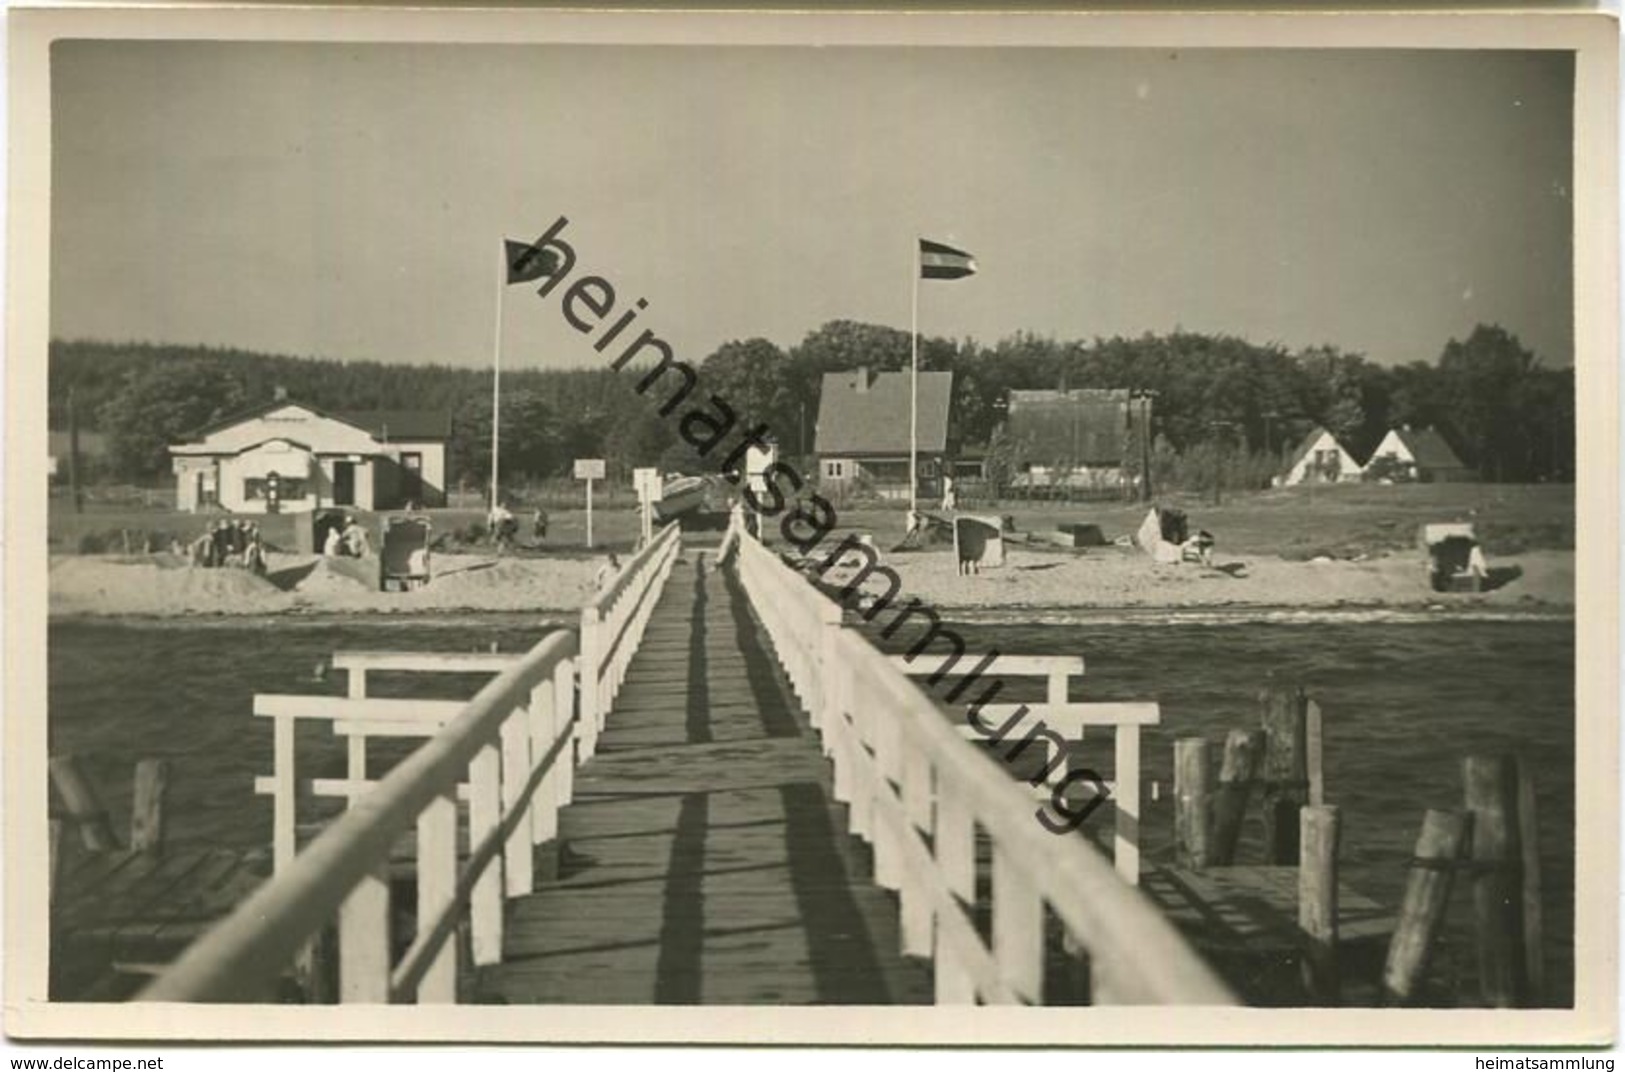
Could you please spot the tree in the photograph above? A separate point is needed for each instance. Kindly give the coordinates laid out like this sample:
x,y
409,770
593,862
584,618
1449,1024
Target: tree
x,y
1484,379
160,405
752,377
529,434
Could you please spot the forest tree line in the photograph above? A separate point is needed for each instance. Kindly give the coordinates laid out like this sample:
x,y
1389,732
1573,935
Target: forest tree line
x,y
1507,414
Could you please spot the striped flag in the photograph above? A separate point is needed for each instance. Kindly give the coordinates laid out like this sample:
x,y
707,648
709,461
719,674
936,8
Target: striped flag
x,y
938,261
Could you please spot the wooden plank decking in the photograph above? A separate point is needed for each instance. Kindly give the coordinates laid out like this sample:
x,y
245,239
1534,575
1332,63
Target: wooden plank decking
x,y
703,859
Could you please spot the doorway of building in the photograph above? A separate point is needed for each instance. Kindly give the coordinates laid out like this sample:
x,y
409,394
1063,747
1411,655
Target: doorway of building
x,y
412,479
344,483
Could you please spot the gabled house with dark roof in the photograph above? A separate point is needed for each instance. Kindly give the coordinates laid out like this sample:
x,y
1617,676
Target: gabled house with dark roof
x,y
1419,454
1320,459
862,432
1082,438
288,457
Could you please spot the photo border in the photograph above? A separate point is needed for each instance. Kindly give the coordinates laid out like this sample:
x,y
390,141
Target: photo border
x,y
1593,1021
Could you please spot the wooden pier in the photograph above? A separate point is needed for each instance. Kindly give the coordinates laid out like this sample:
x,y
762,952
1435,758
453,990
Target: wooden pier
x,y
704,858
713,791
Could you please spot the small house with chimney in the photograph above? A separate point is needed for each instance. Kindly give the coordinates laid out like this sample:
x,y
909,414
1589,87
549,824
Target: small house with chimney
x,y
1419,454
289,457
862,437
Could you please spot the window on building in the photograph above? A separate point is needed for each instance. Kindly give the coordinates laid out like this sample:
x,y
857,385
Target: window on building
x,y
835,467
254,488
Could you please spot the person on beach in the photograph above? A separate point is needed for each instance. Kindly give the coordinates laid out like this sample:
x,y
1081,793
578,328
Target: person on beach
x,y
950,501
504,527
355,538
538,525
333,545
607,573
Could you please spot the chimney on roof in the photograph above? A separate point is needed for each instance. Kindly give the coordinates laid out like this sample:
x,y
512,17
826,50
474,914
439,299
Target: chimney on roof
x,y
279,393
863,379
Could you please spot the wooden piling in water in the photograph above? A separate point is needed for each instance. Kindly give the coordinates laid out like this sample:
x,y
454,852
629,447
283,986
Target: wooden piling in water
x,y
1444,841
1533,926
147,805
1286,770
1191,801
1320,829
1242,753
1491,784
83,806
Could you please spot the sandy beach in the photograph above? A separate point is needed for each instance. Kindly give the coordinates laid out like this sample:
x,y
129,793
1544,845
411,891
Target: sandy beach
x,y
165,585
1122,577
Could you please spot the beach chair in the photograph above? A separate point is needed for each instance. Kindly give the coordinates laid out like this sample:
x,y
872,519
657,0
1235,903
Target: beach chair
x,y
403,558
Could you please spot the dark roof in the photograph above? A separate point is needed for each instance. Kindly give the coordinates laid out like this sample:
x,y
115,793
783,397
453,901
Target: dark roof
x,y
1429,449
387,424
875,421
1080,427
402,424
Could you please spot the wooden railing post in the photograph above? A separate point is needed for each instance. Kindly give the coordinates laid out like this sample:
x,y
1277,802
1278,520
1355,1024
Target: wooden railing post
x,y
566,720
1286,770
437,891
517,872
545,726
918,916
284,802
1126,770
1018,929
588,669
484,817
955,851
364,918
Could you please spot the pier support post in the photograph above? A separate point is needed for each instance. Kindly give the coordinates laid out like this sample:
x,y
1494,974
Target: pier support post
x,y
1442,843
1242,752
83,806
1286,770
1320,830
1191,801
1533,927
1492,797
147,806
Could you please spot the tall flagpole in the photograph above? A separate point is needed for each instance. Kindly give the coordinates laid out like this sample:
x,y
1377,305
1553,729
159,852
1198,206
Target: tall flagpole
x,y
496,372
914,384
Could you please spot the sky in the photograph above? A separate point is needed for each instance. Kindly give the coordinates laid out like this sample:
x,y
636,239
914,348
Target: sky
x,y
349,201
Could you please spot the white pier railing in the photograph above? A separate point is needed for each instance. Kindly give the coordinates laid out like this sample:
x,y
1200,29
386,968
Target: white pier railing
x,y
510,752
918,792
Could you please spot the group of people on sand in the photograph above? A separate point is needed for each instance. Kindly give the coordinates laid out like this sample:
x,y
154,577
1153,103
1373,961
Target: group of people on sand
x,y
348,541
228,543
504,527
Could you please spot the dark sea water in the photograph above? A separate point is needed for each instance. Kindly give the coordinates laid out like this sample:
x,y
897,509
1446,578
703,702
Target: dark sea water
x,y
1403,703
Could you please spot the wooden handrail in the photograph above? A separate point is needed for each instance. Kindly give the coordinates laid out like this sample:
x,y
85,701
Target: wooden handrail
x,y
917,790
243,956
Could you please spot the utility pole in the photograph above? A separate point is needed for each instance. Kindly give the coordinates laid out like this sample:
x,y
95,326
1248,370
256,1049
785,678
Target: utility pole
x,y
73,456
1145,446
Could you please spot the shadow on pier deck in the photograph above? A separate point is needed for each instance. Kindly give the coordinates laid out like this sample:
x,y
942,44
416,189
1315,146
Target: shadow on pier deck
x,y
703,859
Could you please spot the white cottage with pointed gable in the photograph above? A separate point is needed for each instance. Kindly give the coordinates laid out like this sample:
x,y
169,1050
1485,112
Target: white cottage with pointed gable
x,y
289,457
1320,459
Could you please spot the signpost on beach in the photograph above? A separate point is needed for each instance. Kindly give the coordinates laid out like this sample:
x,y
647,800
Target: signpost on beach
x,y
589,469
646,482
